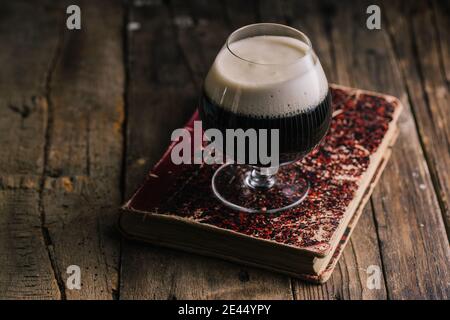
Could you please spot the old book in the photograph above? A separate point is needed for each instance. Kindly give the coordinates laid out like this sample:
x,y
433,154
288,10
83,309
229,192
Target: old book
x,y
175,207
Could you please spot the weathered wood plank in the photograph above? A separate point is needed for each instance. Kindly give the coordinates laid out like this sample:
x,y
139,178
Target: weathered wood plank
x,y
149,272
26,270
271,11
442,16
84,150
349,278
418,50
241,13
157,77
205,37
413,242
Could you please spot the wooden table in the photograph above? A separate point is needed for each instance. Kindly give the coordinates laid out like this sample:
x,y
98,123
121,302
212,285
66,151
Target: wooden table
x,y
84,114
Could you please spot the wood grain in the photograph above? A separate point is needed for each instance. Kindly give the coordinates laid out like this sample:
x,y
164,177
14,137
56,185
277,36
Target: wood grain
x,y
83,150
422,54
241,13
441,11
408,217
26,270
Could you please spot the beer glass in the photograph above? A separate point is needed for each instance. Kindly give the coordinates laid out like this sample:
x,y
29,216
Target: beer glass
x,y
266,78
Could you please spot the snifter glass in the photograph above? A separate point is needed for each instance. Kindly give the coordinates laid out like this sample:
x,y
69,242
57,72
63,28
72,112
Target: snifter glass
x,y
266,76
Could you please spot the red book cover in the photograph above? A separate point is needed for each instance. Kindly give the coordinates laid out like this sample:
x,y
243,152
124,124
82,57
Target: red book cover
x,y
342,170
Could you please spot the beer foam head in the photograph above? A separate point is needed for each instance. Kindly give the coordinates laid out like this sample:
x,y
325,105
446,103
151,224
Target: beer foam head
x,y
266,76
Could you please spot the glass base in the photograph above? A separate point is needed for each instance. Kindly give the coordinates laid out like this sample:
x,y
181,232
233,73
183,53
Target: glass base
x,y
244,188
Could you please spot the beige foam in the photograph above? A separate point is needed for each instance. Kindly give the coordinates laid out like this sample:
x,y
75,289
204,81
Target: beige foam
x,y
266,76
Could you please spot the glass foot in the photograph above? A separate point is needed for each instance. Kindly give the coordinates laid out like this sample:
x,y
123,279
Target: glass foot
x,y
249,189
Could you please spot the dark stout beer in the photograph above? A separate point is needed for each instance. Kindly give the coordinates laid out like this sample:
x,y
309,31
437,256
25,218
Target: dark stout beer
x,y
269,82
298,133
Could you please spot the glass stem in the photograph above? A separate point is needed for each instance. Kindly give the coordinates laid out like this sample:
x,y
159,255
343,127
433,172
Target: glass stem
x,y
261,178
